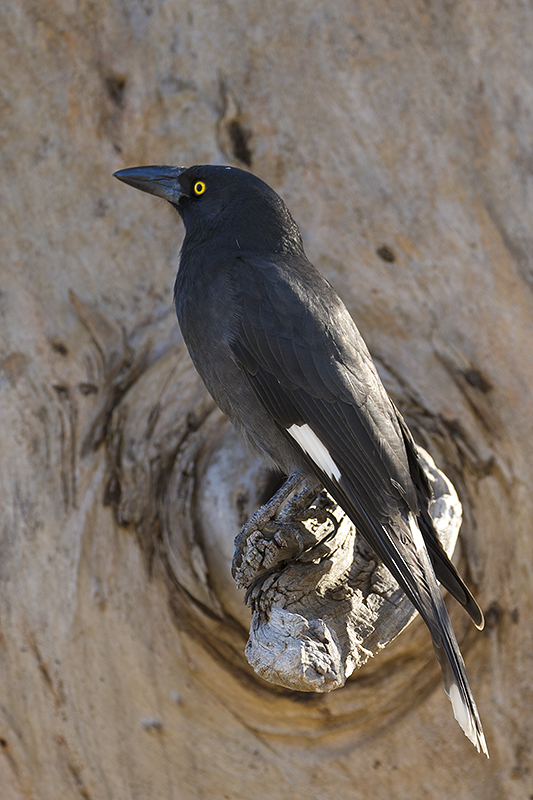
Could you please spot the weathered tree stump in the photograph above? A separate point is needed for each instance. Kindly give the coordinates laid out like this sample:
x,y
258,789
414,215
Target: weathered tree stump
x,y
325,613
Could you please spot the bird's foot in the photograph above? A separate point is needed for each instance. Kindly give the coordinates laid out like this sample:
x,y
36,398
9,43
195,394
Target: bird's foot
x,y
265,550
265,561
273,536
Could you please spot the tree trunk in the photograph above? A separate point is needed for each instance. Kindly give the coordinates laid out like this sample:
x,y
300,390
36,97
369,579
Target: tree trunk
x,y
401,137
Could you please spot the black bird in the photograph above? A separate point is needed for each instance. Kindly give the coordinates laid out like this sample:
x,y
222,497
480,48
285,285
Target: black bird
x,y
282,357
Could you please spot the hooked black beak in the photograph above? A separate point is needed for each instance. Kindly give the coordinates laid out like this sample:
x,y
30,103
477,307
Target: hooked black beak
x,y
161,181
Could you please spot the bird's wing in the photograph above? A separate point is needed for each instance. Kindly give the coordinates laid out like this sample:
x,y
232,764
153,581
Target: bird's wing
x,y
310,367
308,363
311,370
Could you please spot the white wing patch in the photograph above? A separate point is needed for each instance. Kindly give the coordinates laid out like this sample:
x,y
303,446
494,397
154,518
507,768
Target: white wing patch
x,y
416,534
309,441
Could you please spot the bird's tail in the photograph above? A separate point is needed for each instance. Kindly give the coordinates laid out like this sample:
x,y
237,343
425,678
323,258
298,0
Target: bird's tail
x,y
423,590
400,545
458,689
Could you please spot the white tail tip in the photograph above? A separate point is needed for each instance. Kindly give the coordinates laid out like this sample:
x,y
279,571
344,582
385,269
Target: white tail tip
x,y
464,717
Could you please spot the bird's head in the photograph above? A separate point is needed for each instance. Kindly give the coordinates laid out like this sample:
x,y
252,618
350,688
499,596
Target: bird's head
x,y
220,203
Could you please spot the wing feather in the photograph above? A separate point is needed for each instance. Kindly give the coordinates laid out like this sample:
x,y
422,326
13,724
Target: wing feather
x,y
308,364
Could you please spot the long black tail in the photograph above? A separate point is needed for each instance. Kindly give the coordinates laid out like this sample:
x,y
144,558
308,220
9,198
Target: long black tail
x,y
446,572
401,547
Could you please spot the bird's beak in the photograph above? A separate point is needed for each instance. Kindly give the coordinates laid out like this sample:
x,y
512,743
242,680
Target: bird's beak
x,y
161,181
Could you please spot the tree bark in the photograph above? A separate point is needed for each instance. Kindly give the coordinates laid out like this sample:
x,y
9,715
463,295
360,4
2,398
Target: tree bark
x,y
323,602
400,136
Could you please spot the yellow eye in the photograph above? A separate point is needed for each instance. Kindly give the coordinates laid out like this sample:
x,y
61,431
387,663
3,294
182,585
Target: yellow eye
x,y
199,187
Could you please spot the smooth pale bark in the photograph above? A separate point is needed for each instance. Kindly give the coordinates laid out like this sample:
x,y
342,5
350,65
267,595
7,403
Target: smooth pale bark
x,y
400,136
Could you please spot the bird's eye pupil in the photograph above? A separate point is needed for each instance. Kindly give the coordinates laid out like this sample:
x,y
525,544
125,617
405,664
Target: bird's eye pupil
x,y
199,187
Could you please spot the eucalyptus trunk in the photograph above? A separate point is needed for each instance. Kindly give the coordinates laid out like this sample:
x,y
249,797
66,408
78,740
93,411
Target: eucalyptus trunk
x,y
401,137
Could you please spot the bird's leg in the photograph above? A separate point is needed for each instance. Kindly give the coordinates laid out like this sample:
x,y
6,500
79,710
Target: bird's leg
x,y
270,509
268,537
301,501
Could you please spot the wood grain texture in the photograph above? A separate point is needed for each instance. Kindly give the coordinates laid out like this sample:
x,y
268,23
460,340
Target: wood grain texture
x,y
401,137
323,602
